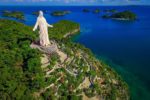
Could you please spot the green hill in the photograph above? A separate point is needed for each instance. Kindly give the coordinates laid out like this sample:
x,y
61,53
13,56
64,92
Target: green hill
x,y
80,76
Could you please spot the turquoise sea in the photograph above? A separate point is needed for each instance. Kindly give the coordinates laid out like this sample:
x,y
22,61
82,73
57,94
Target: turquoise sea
x,y
124,45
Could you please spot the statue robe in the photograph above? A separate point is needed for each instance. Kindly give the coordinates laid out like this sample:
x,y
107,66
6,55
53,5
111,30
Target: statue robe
x,y
43,30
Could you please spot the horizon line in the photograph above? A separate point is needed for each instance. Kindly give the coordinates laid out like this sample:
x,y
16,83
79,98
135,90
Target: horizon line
x,y
78,5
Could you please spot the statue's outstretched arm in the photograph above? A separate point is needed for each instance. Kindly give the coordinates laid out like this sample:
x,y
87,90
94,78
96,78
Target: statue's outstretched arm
x,y
36,25
49,25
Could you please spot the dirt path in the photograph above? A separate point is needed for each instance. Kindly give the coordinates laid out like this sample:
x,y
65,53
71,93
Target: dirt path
x,y
62,55
87,98
85,84
44,61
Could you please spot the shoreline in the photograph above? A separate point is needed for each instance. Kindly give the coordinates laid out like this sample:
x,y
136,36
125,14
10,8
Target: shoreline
x,y
121,19
120,71
133,83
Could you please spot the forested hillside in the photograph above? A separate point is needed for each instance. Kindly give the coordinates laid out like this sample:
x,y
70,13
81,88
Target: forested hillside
x,y
80,76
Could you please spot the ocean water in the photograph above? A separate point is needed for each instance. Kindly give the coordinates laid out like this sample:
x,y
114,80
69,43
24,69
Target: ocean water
x,y
124,45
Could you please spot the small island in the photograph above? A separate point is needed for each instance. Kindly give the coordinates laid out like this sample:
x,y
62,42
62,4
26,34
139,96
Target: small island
x,y
86,10
60,13
125,15
13,14
96,11
36,13
106,16
110,10
30,74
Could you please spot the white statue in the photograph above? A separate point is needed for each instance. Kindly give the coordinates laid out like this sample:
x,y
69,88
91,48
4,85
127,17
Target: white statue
x,y
43,29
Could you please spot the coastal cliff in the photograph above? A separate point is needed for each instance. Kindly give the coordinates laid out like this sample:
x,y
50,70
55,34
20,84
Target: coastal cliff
x,y
28,73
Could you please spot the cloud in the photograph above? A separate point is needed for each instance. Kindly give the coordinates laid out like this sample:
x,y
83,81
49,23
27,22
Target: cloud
x,y
88,2
57,1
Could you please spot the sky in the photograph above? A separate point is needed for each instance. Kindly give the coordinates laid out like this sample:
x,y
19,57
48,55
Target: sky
x,y
74,2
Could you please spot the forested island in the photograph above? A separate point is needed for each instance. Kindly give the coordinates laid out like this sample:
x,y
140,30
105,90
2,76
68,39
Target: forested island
x,y
13,14
36,13
96,11
60,13
110,10
80,77
125,15
86,10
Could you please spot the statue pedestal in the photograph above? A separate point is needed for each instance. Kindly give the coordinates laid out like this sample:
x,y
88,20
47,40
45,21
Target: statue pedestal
x,y
50,50
45,49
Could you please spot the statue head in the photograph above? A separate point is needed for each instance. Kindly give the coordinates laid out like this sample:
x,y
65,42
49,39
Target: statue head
x,y
40,13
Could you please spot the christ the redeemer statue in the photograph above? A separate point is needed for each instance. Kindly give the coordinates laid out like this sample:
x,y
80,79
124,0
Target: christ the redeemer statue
x,y
43,29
